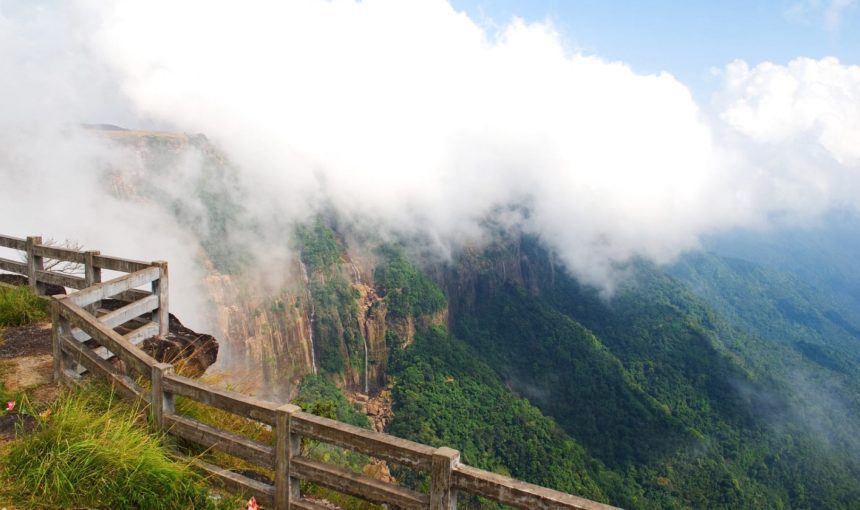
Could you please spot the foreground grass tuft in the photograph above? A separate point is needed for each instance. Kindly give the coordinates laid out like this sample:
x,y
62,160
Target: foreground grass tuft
x,y
93,451
19,306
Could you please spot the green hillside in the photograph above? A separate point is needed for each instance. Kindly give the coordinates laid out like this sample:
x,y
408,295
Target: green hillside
x,y
663,400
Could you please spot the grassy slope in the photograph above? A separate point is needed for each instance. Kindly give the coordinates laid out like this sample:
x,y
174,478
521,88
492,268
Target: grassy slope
x,y
87,449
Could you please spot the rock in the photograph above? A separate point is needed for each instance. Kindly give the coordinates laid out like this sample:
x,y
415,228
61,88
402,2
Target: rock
x,y
378,409
378,469
189,351
373,409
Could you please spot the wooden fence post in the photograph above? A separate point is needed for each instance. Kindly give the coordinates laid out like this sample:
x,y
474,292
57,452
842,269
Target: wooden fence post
x,y
443,495
34,264
55,338
61,330
160,288
287,446
92,275
161,403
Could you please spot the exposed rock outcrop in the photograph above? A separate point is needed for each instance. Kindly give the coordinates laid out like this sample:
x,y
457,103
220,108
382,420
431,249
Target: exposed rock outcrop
x,y
189,351
192,353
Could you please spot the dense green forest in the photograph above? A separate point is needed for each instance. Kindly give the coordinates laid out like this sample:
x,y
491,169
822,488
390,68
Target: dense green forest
x,y
333,299
717,382
655,398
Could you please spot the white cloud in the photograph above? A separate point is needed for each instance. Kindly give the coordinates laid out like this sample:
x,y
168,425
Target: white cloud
x,y
409,115
802,121
779,104
828,14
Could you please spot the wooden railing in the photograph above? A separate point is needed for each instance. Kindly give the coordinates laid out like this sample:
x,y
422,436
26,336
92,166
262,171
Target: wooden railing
x,y
85,338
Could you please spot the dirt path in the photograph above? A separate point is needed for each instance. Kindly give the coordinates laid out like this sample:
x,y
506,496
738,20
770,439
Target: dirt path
x,y
26,364
29,340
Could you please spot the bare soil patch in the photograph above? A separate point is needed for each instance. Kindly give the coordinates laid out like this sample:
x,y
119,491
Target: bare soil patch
x,y
29,340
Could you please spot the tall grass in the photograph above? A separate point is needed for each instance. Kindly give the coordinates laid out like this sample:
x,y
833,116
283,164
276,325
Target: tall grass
x,y
93,451
19,306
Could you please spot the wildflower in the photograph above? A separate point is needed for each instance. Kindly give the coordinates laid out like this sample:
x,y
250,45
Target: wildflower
x,y
10,406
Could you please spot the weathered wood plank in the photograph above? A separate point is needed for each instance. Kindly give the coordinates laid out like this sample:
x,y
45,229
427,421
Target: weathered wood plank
x,y
12,266
442,493
59,327
16,243
100,352
34,263
256,453
56,253
82,355
287,446
230,401
517,493
110,288
128,353
136,337
161,289
364,487
80,335
234,482
119,264
148,330
92,274
70,379
382,446
63,280
128,312
163,403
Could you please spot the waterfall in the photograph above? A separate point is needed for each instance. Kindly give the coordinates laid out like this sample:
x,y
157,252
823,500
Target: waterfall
x,y
366,383
355,272
312,315
357,277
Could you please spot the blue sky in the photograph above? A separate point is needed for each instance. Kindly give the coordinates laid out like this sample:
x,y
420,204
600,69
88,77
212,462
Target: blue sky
x,y
688,39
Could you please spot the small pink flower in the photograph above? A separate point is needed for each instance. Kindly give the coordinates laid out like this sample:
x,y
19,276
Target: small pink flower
x,y
10,405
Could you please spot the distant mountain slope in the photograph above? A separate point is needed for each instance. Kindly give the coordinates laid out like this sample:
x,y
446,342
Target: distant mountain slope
x,y
776,306
805,339
670,393
825,256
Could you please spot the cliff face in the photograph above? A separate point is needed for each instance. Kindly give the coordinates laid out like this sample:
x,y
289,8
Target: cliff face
x,y
333,322
265,338
327,314
479,272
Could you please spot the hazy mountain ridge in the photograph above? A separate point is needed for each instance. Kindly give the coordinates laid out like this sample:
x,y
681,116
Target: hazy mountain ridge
x,y
672,393
725,430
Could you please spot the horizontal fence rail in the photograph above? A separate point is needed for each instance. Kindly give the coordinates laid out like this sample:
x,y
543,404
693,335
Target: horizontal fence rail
x,y
84,340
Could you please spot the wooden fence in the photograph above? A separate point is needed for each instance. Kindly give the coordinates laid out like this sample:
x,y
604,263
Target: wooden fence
x,y
85,338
